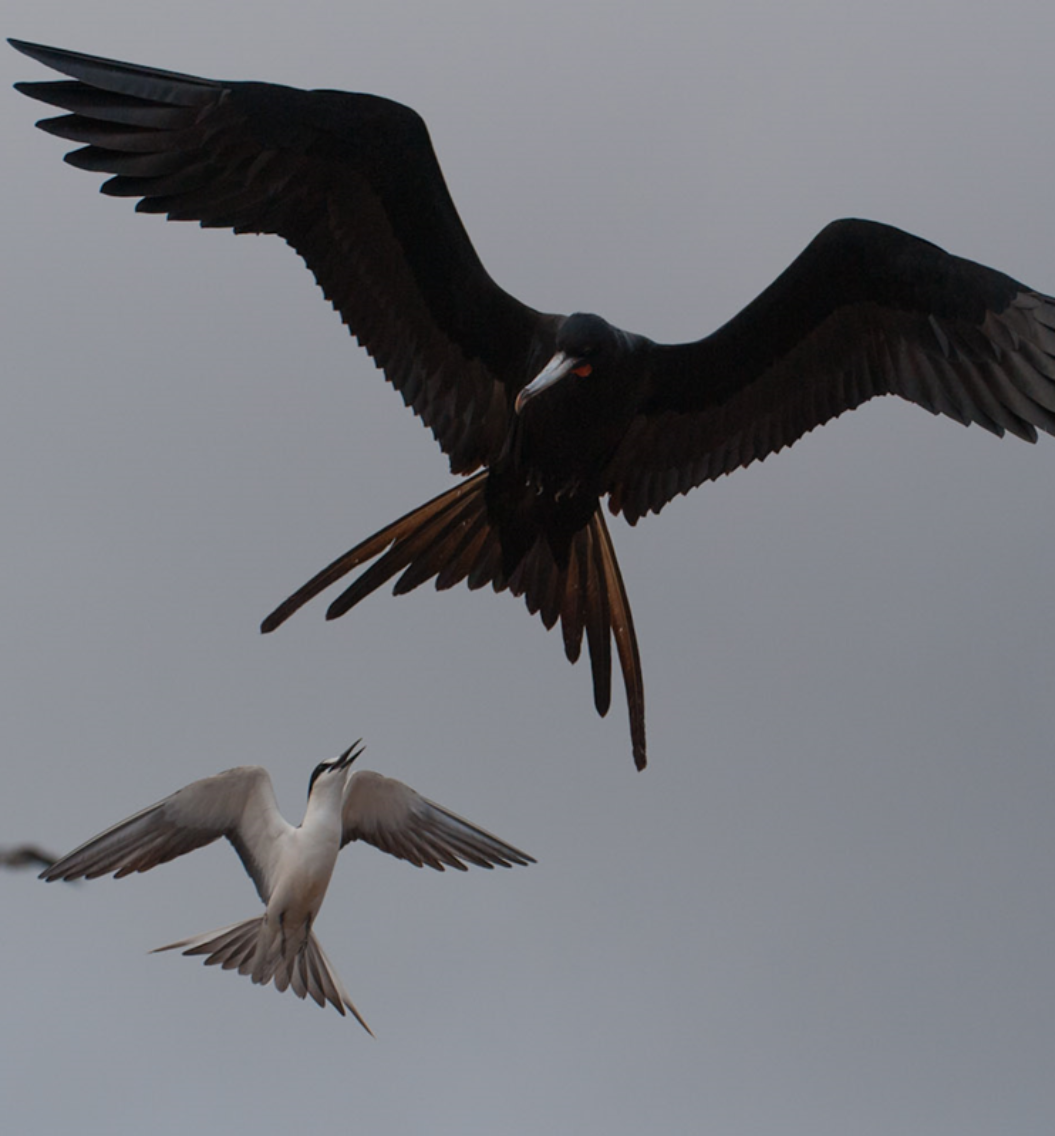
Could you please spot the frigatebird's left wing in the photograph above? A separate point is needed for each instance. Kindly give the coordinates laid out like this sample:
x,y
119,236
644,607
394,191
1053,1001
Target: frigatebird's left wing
x,y
865,310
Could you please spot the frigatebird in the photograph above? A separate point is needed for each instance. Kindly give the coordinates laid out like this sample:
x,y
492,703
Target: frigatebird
x,y
291,867
547,415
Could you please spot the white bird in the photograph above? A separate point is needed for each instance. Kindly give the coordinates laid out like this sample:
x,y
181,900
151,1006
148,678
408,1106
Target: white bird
x,y
291,867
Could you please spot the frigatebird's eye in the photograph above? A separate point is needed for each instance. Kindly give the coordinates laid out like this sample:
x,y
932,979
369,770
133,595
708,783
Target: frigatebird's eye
x,y
583,370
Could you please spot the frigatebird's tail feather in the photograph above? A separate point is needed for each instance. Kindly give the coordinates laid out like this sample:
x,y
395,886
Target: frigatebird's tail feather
x,y
392,534
452,538
622,623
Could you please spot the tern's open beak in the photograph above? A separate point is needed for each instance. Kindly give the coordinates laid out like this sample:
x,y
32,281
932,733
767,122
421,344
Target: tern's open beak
x,y
555,370
348,756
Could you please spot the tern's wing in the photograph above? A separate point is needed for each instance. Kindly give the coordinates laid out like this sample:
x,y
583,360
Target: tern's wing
x,y
239,804
396,819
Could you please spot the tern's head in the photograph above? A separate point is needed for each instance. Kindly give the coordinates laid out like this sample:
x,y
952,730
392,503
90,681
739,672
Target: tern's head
x,y
336,765
585,344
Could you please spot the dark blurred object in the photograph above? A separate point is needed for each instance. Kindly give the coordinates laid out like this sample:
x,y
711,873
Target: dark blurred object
x,y
26,856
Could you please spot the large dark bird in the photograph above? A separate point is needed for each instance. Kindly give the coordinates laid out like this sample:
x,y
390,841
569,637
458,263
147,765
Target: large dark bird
x,y
548,413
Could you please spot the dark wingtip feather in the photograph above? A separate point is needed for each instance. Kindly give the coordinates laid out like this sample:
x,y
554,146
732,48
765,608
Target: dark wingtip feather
x,y
127,78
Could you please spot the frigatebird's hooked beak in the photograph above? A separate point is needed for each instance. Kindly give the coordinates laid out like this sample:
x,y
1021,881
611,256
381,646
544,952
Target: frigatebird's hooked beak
x,y
560,365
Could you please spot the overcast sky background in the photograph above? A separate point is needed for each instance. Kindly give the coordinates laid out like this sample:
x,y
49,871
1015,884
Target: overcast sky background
x,y
827,906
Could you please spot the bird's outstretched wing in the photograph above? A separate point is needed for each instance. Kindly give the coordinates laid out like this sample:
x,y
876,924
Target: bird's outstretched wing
x,y
393,817
865,310
239,804
352,183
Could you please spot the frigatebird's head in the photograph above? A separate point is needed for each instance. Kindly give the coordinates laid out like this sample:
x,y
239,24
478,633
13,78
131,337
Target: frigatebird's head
x,y
585,343
336,764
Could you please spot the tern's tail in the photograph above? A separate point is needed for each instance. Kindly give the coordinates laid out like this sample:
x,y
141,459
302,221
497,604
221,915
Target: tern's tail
x,y
308,970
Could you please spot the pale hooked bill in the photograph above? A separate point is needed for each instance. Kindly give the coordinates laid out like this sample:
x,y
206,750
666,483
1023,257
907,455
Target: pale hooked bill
x,y
291,866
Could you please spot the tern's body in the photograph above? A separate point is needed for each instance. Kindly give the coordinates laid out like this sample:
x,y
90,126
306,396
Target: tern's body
x,y
308,857
291,867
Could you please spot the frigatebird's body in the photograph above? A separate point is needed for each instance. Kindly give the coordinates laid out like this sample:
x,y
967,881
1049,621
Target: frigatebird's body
x,y
549,414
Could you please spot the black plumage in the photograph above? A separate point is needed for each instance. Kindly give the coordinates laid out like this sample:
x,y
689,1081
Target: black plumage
x,y
548,414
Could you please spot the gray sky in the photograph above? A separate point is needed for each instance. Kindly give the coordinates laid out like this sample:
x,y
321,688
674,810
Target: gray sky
x,y
827,905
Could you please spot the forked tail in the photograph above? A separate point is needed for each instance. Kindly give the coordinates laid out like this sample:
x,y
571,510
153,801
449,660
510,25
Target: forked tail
x,y
238,947
452,539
